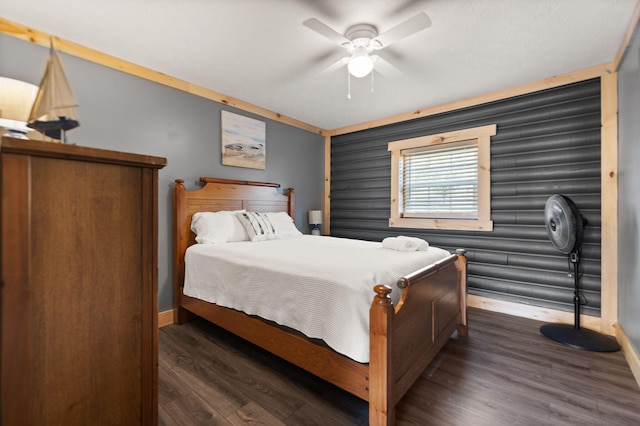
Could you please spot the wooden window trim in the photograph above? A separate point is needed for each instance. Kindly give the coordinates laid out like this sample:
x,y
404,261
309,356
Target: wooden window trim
x,y
483,222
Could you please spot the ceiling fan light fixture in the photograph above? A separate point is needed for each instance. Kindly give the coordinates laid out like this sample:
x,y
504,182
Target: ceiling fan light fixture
x,y
360,64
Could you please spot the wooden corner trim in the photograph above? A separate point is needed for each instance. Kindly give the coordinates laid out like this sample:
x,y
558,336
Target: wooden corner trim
x,y
629,351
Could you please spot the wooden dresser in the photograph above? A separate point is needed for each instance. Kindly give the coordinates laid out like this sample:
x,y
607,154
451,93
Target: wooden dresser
x,y
79,285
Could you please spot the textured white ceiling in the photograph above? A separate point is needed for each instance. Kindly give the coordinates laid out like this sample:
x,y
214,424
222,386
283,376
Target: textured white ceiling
x,y
258,51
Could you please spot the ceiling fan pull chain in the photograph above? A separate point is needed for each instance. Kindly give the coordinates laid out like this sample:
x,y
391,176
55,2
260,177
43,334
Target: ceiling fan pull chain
x,y
348,85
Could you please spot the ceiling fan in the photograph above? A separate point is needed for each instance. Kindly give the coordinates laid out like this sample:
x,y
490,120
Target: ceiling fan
x,y
361,40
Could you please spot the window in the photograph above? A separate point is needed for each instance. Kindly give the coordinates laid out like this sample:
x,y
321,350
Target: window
x,y
442,181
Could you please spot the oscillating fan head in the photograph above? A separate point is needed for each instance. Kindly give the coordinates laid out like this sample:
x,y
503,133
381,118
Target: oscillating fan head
x,y
564,223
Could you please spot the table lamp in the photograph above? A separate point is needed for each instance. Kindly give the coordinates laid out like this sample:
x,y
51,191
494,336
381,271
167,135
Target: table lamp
x,y
315,220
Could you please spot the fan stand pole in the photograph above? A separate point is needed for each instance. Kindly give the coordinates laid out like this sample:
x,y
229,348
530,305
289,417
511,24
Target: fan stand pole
x,y
574,258
573,335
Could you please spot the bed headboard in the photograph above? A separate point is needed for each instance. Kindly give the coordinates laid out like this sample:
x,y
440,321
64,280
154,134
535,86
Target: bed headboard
x,y
215,195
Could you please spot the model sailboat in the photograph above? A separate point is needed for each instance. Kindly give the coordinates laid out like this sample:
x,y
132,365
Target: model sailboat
x,y
54,110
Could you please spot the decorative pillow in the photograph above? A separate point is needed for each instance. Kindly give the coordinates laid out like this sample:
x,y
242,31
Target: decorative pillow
x,y
283,224
258,226
218,227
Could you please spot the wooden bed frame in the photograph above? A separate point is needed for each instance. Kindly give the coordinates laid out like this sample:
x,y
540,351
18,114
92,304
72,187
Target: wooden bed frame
x,y
403,338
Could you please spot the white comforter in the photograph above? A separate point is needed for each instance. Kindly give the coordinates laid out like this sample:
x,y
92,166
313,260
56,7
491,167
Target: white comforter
x,y
320,286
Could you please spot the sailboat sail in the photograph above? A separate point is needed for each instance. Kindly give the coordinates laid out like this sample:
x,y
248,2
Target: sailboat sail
x,y
54,110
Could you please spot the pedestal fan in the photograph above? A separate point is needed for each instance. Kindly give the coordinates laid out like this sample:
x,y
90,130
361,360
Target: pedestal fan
x,y
565,227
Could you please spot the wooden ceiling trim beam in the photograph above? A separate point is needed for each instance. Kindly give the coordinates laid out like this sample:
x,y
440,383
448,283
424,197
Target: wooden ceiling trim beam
x,y
572,77
38,37
547,83
627,38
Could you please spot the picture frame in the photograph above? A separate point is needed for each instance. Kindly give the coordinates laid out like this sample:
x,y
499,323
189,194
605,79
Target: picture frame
x,y
243,141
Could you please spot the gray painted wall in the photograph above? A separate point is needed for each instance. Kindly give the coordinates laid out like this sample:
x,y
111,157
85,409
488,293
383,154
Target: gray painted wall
x,y
628,184
125,113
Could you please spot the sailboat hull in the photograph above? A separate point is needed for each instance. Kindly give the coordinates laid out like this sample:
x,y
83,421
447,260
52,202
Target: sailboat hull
x,y
54,129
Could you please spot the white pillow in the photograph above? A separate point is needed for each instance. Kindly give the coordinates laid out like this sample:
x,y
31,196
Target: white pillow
x,y
257,225
218,227
283,223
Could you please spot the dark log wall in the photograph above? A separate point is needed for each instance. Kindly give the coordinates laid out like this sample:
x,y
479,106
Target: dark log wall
x,y
547,142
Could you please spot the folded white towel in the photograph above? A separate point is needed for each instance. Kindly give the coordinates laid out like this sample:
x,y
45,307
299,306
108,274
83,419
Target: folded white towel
x,y
422,244
405,244
395,243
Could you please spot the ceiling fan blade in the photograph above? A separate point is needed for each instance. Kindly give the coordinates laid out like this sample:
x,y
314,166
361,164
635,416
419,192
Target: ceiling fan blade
x,y
326,31
333,67
385,68
411,26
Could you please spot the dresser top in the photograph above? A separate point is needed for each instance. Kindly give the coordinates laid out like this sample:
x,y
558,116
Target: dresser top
x,y
75,152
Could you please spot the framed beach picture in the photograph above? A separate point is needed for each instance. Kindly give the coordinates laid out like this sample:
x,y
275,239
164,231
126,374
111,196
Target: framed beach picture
x,y
243,141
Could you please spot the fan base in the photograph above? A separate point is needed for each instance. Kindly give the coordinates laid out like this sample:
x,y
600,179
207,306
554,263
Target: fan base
x,y
580,338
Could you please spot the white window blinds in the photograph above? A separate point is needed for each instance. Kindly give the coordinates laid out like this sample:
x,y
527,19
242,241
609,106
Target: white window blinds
x,y
440,181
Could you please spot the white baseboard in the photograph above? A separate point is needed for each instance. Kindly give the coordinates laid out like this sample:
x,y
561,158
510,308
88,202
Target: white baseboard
x,y
165,318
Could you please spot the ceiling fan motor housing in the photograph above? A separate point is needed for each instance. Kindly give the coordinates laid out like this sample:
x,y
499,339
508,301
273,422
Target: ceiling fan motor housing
x,y
361,31
362,35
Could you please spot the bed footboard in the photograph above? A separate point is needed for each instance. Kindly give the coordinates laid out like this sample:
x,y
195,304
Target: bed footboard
x,y
405,338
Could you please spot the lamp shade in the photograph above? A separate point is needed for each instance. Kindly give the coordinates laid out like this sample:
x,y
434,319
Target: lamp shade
x,y
16,100
315,217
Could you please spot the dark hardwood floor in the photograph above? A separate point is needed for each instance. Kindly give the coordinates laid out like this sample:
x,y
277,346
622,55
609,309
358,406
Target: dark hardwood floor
x,y
504,373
